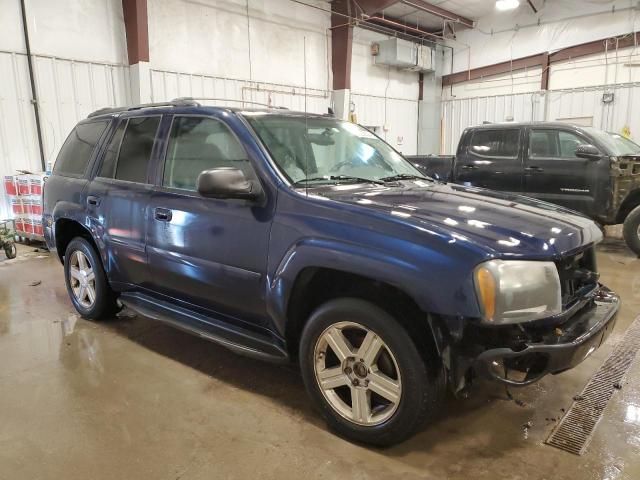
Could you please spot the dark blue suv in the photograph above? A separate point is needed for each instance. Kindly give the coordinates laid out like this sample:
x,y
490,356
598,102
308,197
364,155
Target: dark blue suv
x,y
295,237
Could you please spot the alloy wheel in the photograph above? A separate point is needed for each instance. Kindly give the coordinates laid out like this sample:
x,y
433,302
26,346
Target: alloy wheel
x,y
357,373
82,278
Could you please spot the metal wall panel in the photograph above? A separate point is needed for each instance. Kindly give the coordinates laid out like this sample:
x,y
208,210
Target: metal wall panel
x,y
166,85
396,119
67,89
582,105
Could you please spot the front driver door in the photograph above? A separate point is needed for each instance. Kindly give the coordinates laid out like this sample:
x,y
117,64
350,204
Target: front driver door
x,y
211,253
554,174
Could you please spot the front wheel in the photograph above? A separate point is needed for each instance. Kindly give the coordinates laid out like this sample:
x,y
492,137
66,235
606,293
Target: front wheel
x,y
631,230
365,373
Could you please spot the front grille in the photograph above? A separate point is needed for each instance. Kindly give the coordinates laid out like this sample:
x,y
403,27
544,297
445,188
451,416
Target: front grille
x,y
578,275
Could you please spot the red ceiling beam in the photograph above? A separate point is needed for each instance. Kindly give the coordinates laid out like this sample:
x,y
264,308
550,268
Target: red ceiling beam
x,y
543,59
400,26
439,12
137,30
495,69
369,7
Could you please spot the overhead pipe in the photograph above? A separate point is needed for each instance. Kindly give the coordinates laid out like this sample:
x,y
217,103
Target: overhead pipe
x,y
34,94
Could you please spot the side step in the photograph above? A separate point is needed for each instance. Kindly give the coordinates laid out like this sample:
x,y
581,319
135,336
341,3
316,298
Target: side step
x,y
237,339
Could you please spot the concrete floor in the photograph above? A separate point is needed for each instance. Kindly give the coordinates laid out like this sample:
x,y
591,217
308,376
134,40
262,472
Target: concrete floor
x,y
131,398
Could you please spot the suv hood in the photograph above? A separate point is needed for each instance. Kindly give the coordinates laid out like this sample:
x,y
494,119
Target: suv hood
x,y
507,225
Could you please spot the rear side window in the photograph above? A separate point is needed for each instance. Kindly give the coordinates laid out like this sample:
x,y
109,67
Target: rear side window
x,y
76,152
108,168
135,149
495,143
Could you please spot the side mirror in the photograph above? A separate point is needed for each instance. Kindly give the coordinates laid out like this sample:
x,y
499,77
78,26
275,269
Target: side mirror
x,y
227,182
588,151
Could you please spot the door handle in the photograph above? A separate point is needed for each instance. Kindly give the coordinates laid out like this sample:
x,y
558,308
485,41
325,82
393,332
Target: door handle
x,y
534,169
162,214
469,167
93,201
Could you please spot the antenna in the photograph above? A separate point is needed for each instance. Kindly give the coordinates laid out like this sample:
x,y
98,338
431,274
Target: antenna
x,y
306,117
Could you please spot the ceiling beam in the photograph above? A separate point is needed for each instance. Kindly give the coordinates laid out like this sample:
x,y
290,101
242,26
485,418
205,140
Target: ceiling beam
x,y
400,26
543,60
439,12
369,7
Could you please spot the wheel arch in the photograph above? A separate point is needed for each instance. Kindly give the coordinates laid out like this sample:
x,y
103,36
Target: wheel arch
x,y
631,201
66,229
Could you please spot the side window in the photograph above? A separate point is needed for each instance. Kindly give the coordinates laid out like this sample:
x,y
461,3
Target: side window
x,y
197,144
76,152
108,167
568,144
496,143
543,143
135,151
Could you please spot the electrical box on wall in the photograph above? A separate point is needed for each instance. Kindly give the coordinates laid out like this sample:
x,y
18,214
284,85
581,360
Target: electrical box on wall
x,y
402,54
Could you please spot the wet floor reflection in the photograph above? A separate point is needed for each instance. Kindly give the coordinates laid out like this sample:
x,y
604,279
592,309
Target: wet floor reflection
x,y
130,398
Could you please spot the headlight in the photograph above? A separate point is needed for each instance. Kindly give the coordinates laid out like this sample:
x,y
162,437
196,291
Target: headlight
x,y
512,291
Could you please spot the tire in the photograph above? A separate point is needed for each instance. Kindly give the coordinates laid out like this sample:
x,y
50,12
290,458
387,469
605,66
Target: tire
x,y
631,230
10,250
102,304
416,382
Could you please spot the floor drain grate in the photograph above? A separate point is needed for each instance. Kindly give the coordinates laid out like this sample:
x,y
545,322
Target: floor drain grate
x,y
574,431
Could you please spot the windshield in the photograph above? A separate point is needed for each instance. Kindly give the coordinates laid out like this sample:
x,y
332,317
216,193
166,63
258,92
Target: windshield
x,y
615,143
325,150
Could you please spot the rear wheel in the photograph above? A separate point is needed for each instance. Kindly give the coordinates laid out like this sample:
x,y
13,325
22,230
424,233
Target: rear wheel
x,y
86,281
365,373
631,230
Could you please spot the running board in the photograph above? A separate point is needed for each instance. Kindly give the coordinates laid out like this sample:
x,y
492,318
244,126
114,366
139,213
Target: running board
x,y
239,340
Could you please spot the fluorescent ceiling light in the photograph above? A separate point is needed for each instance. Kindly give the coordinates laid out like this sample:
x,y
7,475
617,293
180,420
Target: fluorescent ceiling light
x,y
507,4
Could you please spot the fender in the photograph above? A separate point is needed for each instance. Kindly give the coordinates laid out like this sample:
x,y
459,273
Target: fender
x,y
71,211
376,264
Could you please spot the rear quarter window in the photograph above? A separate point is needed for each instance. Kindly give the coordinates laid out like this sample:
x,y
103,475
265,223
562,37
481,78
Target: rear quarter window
x,y
76,152
503,142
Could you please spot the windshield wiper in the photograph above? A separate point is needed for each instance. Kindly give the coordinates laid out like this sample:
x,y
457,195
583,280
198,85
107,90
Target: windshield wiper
x,y
404,176
334,178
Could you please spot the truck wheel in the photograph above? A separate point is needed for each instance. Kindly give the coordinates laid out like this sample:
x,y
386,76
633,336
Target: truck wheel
x,y
86,281
631,230
365,373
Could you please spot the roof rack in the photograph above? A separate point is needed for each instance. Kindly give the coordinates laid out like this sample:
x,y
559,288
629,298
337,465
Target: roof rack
x,y
195,99
178,102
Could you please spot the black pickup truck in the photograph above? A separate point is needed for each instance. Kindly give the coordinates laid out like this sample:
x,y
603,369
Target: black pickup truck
x,y
588,170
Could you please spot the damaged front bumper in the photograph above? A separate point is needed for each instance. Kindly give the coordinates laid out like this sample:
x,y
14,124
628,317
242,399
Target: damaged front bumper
x,y
546,349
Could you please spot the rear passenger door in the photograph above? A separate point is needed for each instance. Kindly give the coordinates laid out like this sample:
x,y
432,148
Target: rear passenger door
x,y
553,172
210,253
492,160
118,198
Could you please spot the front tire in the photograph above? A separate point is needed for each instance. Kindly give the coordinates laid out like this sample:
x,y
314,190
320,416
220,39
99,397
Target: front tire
x,y
631,230
87,282
365,373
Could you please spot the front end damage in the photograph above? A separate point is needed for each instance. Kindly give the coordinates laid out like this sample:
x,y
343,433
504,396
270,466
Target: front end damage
x,y
520,354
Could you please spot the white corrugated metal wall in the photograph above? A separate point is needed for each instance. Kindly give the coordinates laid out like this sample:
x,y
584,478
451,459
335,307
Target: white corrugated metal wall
x,y
399,115
398,118
581,105
67,89
166,85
